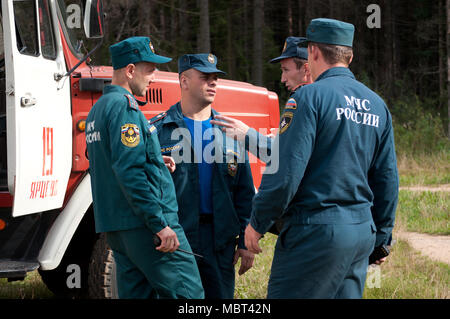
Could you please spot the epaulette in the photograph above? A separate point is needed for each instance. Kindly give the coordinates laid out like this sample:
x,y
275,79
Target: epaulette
x,y
132,102
296,88
157,118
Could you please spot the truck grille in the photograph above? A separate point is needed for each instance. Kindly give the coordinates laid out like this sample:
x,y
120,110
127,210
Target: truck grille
x,y
154,96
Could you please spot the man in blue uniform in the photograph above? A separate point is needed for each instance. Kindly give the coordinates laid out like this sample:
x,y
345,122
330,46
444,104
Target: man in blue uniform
x,y
294,74
337,180
133,193
212,177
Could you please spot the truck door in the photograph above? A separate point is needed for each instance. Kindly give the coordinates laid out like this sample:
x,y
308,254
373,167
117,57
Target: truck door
x,y
39,129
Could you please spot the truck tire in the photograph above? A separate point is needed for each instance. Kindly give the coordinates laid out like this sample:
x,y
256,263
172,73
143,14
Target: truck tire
x,y
102,282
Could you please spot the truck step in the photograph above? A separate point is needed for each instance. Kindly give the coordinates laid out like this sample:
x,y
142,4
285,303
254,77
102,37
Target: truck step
x,y
14,269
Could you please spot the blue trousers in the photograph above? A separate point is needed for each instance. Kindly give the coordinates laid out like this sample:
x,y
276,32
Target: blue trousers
x,y
321,261
144,272
216,268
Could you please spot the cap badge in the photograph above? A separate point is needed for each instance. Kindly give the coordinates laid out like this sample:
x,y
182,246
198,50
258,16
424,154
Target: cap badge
x,y
232,167
151,46
211,58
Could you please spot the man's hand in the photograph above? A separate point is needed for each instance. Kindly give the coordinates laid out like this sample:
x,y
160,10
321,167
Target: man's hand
x,y
232,127
170,163
251,239
380,261
247,259
169,240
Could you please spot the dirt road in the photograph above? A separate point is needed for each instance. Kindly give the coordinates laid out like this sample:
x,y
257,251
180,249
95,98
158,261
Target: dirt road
x,y
433,246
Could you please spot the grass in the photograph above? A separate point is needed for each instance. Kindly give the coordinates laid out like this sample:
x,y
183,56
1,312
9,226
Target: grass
x,y
408,275
30,288
253,284
424,169
424,212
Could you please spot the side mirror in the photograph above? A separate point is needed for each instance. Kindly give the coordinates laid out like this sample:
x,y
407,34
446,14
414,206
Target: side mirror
x,y
93,19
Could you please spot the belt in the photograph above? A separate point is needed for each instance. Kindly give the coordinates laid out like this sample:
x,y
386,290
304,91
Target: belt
x,y
206,218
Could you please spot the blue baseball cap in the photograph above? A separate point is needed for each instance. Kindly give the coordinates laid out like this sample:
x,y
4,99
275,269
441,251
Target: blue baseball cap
x,y
134,50
203,62
291,49
330,31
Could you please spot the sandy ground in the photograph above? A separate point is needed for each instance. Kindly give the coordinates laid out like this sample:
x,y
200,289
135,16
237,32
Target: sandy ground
x,y
433,246
437,188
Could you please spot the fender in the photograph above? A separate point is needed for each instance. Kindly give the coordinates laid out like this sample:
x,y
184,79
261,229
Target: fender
x,y
64,227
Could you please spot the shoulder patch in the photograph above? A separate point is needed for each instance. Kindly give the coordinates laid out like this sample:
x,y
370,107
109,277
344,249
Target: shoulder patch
x,y
152,129
132,102
130,135
286,121
291,104
157,118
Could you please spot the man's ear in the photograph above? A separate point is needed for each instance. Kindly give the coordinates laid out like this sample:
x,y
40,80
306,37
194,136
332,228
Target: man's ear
x,y
307,71
129,70
183,81
314,52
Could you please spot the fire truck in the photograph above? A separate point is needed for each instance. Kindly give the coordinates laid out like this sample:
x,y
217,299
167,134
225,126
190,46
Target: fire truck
x,y
47,87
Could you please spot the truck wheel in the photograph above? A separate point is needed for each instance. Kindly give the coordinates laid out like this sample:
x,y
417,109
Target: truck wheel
x,y
102,282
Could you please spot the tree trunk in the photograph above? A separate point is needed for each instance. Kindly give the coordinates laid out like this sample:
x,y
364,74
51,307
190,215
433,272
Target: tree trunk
x,y
124,22
173,22
301,18
395,47
204,38
246,43
258,25
290,19
442,53
388,56
231,60
162,24
448,67
184,20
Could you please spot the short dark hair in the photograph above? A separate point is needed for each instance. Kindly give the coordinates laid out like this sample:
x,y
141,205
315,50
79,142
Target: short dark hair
x,y
299,62
335,53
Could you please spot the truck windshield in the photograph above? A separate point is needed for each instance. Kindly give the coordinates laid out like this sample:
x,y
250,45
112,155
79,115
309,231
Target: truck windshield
x,y
71,19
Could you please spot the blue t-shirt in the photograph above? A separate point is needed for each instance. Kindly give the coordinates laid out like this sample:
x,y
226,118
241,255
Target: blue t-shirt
x,y
200,139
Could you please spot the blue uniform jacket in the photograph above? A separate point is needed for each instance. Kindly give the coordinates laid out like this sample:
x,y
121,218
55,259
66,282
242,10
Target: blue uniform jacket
x,y
337,159
131,186
232,183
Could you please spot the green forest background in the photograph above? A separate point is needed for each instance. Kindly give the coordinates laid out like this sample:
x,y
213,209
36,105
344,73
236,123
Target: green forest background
x,y
405,59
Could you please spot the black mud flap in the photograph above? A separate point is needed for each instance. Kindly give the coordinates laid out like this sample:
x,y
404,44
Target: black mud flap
x,y
16,269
